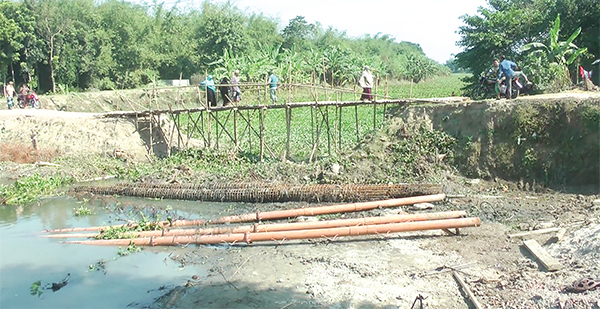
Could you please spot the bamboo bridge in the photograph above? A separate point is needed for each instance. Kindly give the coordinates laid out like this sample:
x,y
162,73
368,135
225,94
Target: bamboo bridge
x,y
291,130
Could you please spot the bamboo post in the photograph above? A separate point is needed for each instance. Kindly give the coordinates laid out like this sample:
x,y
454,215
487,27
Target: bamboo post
x,y
376,86
235,129
318,135
249,133
356,119
217,124
328,129
374,117
340,128
208,125
288,123
154,96
262,133
291,81
312,124
150,149
386,87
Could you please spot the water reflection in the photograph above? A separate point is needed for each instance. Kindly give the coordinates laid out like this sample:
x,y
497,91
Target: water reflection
x,y
25,257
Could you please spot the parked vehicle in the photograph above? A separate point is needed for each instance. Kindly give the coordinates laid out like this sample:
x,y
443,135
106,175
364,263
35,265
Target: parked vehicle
x,y
31,100
514,91
486,88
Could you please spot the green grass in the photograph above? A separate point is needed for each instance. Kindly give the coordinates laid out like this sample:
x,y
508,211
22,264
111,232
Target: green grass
x,y
437,87
334,136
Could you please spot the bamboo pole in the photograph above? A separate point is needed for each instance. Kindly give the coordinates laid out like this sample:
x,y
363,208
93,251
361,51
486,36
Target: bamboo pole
x,y
356,119
235,130
151,148
281,214
260,228
340,128
374,117
326,118
386,88
262,134
466,289
249,237
288,123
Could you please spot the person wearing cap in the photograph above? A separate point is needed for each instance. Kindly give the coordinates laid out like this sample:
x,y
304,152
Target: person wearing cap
x,y
235,83
209,84
366,82
273,86
9,91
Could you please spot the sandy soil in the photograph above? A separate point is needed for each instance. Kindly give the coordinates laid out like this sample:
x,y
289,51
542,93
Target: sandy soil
x,y
381,271
71,133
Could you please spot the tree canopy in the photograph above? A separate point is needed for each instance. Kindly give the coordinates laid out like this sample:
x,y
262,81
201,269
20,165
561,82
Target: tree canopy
x,y
505,27
114,44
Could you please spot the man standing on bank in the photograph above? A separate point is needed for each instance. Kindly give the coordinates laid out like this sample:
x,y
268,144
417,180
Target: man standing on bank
x,y
9,92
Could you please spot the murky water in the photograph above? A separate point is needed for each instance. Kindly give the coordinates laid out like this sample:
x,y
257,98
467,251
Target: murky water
x,y
134,280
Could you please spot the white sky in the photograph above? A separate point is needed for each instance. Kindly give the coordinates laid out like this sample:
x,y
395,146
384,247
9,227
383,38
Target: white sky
x,y
433,24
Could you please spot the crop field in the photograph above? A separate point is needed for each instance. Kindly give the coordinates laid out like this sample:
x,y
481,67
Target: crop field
x,y
313,131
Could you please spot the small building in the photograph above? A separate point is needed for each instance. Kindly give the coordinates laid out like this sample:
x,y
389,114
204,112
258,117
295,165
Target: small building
x,y
176,82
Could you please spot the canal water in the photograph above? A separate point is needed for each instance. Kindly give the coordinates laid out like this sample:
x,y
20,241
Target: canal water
x,y
99,277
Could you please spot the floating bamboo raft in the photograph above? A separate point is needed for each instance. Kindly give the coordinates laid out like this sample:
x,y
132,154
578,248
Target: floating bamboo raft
x,y
264,193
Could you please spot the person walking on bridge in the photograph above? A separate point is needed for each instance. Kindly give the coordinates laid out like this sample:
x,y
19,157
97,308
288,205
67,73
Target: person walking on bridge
x,y
273,86
209,85
366,82
235,89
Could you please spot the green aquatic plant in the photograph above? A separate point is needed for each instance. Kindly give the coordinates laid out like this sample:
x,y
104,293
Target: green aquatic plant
x,y
28,189
132,248
37,288
82,211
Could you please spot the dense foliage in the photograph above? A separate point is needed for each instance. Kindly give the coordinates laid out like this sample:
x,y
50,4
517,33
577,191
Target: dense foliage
x,y
58,45
505,27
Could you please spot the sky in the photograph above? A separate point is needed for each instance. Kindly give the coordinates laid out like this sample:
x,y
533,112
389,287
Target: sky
x,y
433,24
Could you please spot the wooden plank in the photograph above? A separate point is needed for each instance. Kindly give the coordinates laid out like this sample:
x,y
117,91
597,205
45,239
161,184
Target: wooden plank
x,y
558,237
549,262
535,232
467,291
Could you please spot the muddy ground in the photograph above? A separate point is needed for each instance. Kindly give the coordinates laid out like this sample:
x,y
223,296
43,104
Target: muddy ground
x,y
378,271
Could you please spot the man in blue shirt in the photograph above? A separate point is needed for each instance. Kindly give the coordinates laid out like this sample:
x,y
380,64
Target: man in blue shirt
x,y
506,70
273,86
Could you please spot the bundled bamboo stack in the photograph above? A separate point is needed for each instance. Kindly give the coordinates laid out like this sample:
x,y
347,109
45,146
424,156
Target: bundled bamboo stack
x,y
183,232
264,192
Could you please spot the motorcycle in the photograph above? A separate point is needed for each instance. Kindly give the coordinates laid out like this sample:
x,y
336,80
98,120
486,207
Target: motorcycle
x,y
30,99
486,88
515,88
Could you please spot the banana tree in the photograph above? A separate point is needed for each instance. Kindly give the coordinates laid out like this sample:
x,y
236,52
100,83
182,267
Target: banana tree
x,y
557,51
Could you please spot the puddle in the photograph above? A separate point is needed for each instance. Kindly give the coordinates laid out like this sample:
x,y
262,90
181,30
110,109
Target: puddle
x,y
134,280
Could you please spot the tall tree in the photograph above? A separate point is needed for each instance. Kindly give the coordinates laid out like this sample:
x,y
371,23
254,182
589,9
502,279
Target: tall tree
x,y
51,26
221,28
296,33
